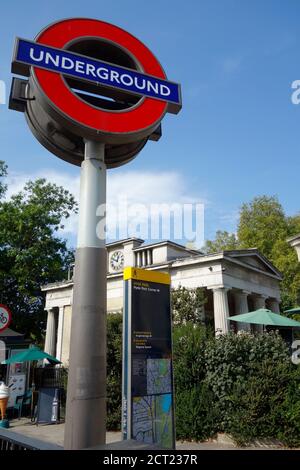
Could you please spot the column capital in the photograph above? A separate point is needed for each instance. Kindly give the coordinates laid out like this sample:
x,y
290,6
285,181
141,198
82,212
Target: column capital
x,y
246,292
219,287
260,296
259,301
274,304
242,292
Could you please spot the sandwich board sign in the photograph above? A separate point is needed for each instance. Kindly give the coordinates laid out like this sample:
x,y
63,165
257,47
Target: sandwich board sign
x,y
147,401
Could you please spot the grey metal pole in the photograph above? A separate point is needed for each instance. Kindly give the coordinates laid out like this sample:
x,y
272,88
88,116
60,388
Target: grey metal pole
x,y
86,395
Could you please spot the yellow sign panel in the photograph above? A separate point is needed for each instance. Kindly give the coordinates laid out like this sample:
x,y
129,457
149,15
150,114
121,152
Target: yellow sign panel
x,y
146,275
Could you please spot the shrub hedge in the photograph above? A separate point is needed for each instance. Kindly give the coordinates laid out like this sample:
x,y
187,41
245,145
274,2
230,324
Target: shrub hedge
x,y
243,384
247,386
114,371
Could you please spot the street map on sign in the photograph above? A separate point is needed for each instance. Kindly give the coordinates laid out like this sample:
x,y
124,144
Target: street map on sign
x,y
152,414
152,419
158,376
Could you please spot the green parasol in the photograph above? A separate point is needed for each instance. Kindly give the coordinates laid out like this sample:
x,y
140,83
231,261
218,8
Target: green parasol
x,y
31,354
264,316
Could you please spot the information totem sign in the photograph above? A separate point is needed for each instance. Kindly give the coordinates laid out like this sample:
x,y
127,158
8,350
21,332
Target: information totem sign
x,y
147,400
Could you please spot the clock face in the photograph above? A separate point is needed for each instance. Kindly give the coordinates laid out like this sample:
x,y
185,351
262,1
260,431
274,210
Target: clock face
x,y
117,260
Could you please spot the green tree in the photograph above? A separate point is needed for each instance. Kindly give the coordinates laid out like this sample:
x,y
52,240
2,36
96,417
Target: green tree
x,y
187,304
223,241
3,172
285,259
31,252
264,225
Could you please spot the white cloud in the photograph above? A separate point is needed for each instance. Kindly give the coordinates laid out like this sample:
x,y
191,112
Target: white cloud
x,y
230,218
135,187
16,181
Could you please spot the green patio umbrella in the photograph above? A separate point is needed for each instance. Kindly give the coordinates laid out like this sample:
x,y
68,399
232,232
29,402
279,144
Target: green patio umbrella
x,y
264,316
31,354
293,310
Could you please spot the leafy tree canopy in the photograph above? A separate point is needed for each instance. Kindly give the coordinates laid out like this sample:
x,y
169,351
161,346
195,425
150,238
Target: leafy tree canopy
x,y
3,172
223,241
187,305
31,252
261,224
264,225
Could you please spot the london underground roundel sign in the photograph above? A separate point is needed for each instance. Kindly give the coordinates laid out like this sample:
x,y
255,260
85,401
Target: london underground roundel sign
x,y
5,317
91,79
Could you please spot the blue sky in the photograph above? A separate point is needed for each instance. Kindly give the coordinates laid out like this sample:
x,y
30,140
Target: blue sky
x,y
238,134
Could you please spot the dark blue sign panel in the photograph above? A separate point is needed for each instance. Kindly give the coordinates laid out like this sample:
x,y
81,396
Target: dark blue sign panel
x,y
86,68
148,405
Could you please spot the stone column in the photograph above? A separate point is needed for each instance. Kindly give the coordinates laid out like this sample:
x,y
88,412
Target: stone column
x,y
274,305
60,333
259,301
149,262
50,341
241,306
138,257
221,310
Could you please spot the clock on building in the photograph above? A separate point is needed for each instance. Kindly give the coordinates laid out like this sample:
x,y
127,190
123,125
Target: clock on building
x,y
117,260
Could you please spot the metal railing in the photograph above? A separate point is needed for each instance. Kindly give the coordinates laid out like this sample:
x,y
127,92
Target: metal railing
x,y
10,440
54,377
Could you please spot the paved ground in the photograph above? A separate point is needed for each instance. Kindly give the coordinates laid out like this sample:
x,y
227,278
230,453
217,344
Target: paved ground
x,y
55,434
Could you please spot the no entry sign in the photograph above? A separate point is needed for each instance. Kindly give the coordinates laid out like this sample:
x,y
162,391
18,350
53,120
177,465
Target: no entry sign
x,y
5,317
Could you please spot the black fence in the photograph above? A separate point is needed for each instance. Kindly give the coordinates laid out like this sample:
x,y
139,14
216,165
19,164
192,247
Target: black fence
x,y
13,441
50,377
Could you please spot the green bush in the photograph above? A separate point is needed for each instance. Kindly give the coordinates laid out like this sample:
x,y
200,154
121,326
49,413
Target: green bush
x,y
193,400
189,355
114,371
255,402
195,413
288,415
241,384
231,359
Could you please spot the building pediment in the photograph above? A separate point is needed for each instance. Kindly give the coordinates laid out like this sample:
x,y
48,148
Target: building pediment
x,y
254,259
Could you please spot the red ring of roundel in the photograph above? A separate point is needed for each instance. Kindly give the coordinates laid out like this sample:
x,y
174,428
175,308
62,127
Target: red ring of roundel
x,y
9,317
141,117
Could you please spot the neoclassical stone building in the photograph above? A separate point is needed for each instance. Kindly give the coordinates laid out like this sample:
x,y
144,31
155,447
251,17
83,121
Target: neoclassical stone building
x,y
295,243
235,281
